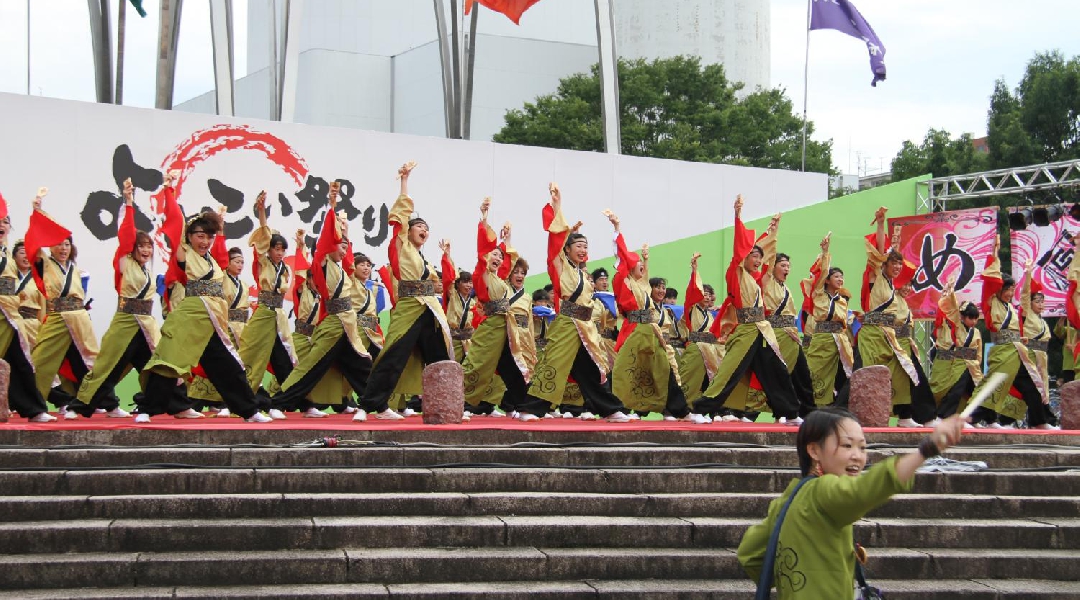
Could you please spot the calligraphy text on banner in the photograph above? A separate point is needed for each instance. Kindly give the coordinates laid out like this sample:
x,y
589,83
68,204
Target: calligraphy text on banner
x,y
1051,249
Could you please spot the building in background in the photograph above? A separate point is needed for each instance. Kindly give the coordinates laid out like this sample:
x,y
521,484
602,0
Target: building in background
x,y
375,65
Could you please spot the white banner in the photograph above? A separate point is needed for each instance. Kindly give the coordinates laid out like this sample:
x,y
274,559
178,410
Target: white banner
x,y
84,151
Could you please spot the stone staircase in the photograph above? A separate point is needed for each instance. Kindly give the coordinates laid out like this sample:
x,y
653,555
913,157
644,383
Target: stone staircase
x,y
528,519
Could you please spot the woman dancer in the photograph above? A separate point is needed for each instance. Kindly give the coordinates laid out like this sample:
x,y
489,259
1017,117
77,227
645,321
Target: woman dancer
x,y
704,351
958,352
417,321
753,357
573,348
31,300
458,302
818,527
825,307
1036,334
133,333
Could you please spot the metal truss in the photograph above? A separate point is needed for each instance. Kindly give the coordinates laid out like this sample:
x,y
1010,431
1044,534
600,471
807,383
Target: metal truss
x,y
934,194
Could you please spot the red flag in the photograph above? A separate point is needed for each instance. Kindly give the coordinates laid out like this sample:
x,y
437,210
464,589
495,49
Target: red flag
x,y
3,207
42,233
513,9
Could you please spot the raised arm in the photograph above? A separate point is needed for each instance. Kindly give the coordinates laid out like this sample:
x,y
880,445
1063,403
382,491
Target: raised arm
x,y
301,267
173,226
220,249
695,292
449,272
510,255
557,229
742,246
881,236
1025,288
818,272
125,236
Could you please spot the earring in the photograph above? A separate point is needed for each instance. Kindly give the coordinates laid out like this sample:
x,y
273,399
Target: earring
x,y
817,471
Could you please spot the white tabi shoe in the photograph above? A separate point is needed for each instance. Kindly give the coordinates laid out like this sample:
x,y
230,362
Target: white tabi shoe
x,y
360,416
408,412
693,418
142,418
314,413
617,417
258,418
117,413
348,410
188,414
907,423
70,415
728,418
526,417
588,416
389,415
1047,427
497,414
276,414
42,418
223,413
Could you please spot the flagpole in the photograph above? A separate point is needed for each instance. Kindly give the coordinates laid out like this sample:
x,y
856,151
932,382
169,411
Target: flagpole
x,y
806,79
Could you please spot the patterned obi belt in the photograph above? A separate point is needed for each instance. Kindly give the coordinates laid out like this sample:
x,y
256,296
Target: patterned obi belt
x,y
879,318
904,331
541,343
522,321
752,314
1039,345
64,304
497,307
135,306
203,288
338,305
368,321
28,312
415,287
577,312
609,334
828,327
958,354
782,321
642,316
461,333
1005,337
7,286
702,337
305,328
271,300
238,315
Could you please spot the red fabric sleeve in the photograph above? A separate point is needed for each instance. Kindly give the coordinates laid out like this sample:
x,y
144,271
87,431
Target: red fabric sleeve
x,y
484,245
173,228
449,275
864,295
554,253
328,240
991,286
300,265
125,243
347,262
717,328
392,253
694,293
506,267
744,244
220,250
388,281
42,233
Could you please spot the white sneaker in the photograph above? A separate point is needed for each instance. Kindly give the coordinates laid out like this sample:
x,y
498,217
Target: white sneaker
x,y
907,423
99,411
515,414
671,418
633,417
567,415
526,417
117,413
142,418
618,417
1047,427
348,410
466,417
188,414
692,418
408,412
223,413
276,414
389,415
258,418
360,416
785,421
550,415
497,414
314,413
70,415
588,416
42,418
729,418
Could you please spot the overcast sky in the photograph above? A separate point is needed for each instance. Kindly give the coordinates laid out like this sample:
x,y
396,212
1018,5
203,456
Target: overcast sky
x,y
942,59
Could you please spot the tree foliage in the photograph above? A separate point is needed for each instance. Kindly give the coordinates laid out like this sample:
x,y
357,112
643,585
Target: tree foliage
x,y
672,108
939,154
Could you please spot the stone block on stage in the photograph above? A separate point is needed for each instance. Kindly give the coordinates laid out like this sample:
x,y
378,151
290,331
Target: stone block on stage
x,y
871,396
444,393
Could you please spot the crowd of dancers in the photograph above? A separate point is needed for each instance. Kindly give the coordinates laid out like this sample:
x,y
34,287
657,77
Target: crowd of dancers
x,y
591,345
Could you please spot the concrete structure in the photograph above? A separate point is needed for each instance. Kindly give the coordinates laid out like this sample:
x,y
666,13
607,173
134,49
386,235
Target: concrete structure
x,y
375,65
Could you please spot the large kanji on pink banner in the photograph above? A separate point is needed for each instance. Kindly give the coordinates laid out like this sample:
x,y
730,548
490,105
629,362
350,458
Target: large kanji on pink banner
x,y
944,244
1051,249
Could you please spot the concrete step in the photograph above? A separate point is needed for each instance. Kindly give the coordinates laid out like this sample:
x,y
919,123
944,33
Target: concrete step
x,y
320,533
940,589
996,457
434,565
241,506
483,479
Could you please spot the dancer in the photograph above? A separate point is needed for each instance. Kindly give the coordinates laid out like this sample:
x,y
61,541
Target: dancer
x,y
958,352
645,374
753,358
457,302
419,333
573,348
501,357
195,332
1008,356
67,336
31,301
704,351
829,355
236,293
133,333
266,339
15,345
365,302
1036,334
605,313
1067,334
818,527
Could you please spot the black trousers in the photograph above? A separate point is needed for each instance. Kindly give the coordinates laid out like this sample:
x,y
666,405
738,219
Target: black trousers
x,y
23,395
676,400
105,399
425,336
222,369
1037,413
923,408
137,354
771,373
353,366
804,385
950,402
598,398
280,361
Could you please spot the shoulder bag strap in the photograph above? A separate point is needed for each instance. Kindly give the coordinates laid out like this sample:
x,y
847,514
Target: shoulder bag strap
x,y
765,581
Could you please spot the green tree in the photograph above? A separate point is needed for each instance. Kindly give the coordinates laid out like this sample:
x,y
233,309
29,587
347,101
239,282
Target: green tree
x,y
672,108
1040,120
938,154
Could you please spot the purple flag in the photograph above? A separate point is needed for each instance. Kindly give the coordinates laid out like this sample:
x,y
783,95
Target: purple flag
x,y
842,16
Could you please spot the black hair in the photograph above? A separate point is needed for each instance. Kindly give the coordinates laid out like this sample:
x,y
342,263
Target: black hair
x,y
278,239
657,281
416,221
894,256
572,238
970,311
817,427
208,221
15,248
598,273
708,289
549,287
360,257
141,237
540,295
1038,296
463,277
671,293
834,271
1007,281
235,251
757,249
781,256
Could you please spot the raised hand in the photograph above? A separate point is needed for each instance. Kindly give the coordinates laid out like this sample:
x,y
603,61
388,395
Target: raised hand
x,y
950,284
171,177
825,242
504,233
774,222
260,201
1029,266
299,237
997,243
693,261
645,252
879,215
129,192
335,189
556,195
221,210
406,169
444,245
485,206
738,206
576,227
611,217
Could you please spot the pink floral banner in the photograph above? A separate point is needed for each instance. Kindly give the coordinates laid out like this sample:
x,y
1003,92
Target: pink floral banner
x,y
942,245
1051,249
